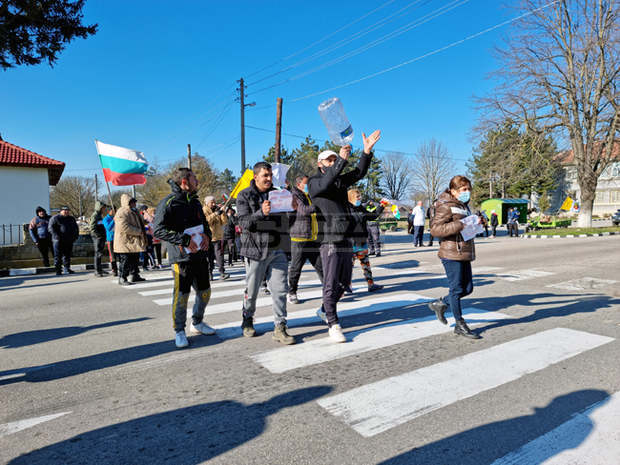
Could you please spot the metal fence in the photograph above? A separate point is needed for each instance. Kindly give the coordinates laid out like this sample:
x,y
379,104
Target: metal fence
x,y
11,234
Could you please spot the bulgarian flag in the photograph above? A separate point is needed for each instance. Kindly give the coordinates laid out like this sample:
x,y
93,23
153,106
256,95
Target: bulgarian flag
x,y
121,166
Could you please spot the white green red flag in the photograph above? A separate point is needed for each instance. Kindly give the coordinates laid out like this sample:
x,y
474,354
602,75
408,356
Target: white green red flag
x,y
122,166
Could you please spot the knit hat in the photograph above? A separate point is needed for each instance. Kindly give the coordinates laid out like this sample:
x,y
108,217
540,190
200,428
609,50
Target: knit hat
x,y
40,209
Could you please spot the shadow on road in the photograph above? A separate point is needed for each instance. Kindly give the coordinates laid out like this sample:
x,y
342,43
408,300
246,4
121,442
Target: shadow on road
x,y
189,435
484,444
39,336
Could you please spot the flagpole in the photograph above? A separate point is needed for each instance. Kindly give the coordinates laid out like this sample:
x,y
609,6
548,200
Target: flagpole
x,y
106,181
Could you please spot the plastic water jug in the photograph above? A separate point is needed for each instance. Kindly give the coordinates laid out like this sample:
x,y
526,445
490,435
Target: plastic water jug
x,y
336,121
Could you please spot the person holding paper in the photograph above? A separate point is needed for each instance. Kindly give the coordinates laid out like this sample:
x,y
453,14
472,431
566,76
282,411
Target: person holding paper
x,y
328,191
265,242
452,217
181,224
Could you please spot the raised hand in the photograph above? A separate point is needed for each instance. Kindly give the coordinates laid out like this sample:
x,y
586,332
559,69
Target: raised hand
x,y
345,151
370,141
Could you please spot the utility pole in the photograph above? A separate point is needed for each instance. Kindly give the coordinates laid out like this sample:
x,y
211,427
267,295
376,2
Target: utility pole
x,y
189,156
242,106
278,129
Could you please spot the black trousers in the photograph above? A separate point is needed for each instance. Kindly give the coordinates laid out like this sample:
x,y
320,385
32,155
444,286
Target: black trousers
x,y
188,275
232,250
217,256
62,254
45,247
374,238
157,248
99,248
113,257
337,260
128,264
300,252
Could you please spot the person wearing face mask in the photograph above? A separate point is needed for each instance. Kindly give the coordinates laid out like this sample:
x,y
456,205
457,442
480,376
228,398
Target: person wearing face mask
x,y
359,235
304,230
181,224
456,254
328,191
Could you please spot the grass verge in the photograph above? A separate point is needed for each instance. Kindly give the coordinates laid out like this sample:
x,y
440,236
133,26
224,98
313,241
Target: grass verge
x,y
573,231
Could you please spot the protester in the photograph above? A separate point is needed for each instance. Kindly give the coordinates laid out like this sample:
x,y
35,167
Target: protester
x,y
456,254
40,235
64,231
374,232
129,240
217,219
98,235
148,256
108,223
228,236
328,191
494,223
264,243
156,246
304,229
513,222
418,219
430,213
359,235
187,248
484,221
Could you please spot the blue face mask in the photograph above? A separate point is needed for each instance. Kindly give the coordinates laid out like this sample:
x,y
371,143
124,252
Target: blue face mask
x,y
357,203
306,188
464,196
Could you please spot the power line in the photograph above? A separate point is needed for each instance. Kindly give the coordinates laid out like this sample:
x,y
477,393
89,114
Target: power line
x,y
426,55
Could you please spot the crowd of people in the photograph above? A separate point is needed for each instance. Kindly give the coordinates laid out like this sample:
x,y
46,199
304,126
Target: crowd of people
x,y
327,226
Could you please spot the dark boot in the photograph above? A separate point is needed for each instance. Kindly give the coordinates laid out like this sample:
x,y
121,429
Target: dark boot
x,y
248,327
123,281
136,278
439,307
461,329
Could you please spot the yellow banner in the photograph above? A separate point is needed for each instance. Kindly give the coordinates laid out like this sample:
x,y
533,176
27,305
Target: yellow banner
x,y
567,205
244,182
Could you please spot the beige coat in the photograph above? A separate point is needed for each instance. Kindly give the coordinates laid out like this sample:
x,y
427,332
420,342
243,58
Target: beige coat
x,y
129,234
216,223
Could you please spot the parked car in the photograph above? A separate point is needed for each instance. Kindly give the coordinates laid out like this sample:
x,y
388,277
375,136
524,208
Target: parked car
x,y
615,218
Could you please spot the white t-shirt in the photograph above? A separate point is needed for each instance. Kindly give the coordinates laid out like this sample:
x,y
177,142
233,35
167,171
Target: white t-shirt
x,y
418,216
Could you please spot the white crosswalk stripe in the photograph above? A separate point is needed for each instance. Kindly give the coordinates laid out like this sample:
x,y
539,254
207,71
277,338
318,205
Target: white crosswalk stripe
x,y
377,407
584,284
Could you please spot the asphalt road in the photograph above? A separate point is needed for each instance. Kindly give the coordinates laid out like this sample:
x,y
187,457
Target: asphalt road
x,y
89,372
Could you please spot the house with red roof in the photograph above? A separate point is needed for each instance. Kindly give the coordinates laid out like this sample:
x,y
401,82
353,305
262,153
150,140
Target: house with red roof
x,y
25,180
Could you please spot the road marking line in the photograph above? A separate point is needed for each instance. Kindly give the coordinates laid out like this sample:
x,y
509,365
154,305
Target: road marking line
x,y
584,283
591,437
523,274
214,295
324,350
377,407
14,427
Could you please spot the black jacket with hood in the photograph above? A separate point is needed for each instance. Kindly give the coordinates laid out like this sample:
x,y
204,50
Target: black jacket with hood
x,y
175,213
302,218
95,225
361,217
328,191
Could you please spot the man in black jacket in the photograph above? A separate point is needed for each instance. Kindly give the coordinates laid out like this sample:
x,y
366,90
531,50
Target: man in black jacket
x,y
98,235
181,224
328,191
65,232
304,234
264,243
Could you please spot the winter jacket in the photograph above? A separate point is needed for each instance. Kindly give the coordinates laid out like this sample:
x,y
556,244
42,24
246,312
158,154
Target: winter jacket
x,y
229,228
95,225
361,217
177,212
63,228
129,235
328,191
108,224
494,220
446,226
373,223
38,226
216,220
260,233
304,226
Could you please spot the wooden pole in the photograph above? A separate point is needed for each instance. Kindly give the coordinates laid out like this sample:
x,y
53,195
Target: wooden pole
x,y
110,195
96,188
278,130
106,181
189,156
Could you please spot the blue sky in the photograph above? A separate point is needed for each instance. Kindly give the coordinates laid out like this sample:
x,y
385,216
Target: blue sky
x,y
159,75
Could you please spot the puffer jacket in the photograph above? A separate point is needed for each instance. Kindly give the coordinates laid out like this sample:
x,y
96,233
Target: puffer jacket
x,y
447,226
303,222
216,221
129,234
177,212
95,225
260,233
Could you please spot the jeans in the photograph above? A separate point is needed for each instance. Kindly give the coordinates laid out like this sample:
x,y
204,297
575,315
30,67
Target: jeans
x,y
374,239
418,234
337,260
460,283
62,253
275,269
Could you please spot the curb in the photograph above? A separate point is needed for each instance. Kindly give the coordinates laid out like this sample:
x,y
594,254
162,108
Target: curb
x,y
556,236
50,269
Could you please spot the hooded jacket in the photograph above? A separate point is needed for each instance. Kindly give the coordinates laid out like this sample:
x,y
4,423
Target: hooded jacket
x,y
229,228
38,226
303,223
447,226
260,233
95,225
129,235
177,212
328,191
63,229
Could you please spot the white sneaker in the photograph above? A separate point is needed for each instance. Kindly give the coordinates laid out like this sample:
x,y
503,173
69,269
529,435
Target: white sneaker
x,y
335,333
181,340
321,314
203,328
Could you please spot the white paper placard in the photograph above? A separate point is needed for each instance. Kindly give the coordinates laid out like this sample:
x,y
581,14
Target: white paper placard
x,y
195,232
281,201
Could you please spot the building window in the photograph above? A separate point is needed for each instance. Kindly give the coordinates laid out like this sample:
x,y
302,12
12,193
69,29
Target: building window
x,y
601,197
614,196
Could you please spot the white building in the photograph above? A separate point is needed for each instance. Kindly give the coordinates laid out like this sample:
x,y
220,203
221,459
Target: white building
x,y
25,180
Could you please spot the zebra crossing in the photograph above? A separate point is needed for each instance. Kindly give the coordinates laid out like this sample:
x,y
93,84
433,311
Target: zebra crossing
x,y
378,407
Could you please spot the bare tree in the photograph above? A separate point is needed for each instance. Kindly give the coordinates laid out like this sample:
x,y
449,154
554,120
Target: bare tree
x,y
76,192
559,73
432,168
396,175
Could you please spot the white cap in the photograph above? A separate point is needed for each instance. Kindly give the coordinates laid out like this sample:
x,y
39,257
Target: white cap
x,y
325,154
